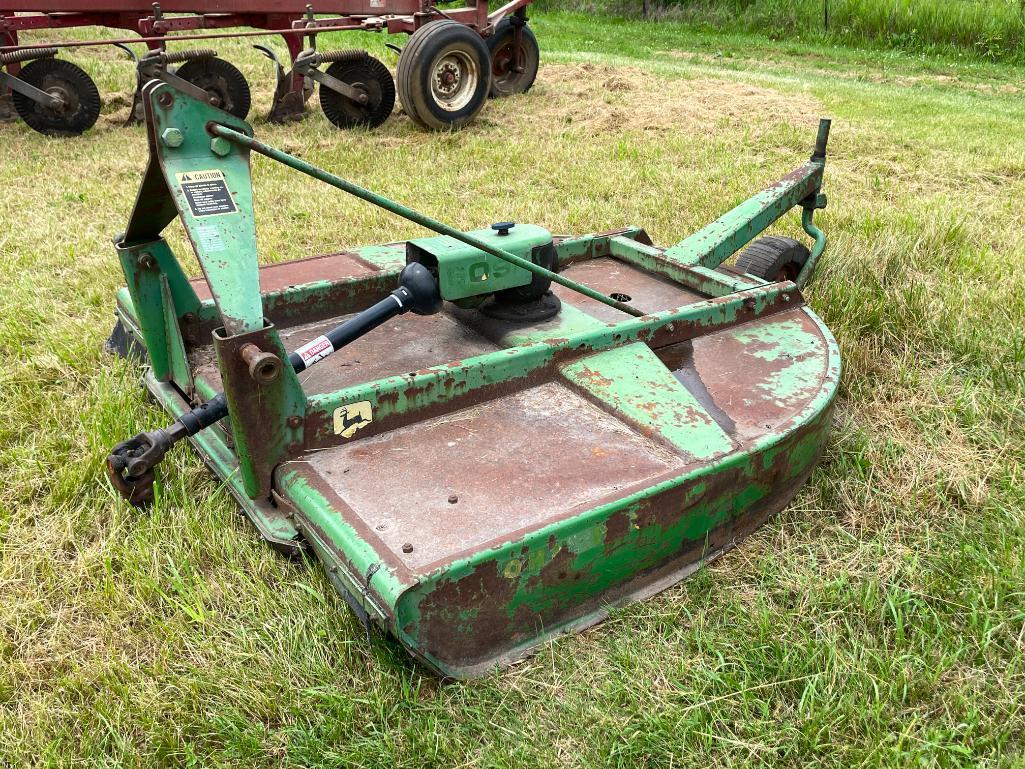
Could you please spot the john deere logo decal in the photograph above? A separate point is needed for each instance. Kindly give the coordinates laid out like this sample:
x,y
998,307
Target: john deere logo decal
x,y
352,417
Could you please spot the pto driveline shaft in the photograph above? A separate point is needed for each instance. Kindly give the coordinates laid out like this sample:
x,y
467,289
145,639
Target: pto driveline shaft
x,y
216,409
397,302
131,462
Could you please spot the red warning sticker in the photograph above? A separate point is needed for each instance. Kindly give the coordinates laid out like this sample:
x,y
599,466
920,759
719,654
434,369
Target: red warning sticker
x,y
316,350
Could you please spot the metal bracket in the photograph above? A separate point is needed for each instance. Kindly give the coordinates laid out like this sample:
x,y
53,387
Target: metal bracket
x,y
207,183
266,405
20,86
308,61
153,66
289,101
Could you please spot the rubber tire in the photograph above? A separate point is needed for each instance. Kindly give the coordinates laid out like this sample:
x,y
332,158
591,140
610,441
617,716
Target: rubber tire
x,y
43,73
413,76
530,51
224,78
774,258
379,85
123,344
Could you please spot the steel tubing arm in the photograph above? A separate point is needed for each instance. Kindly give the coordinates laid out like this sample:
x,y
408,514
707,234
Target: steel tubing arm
x,y
816,250
414,216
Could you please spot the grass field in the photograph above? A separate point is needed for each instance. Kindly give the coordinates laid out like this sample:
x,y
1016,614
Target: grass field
x,y
992,29
878,621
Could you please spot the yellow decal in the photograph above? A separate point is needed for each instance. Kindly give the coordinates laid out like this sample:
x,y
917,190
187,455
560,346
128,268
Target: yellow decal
x,y
353,417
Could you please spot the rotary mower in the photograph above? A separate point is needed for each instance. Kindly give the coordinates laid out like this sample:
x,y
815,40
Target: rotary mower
x,y
455,58
487,438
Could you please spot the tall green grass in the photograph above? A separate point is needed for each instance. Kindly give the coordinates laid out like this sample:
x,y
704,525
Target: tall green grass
x,y
992,29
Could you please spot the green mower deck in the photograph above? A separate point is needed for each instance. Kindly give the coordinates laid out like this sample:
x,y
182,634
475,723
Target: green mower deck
x,y
475,484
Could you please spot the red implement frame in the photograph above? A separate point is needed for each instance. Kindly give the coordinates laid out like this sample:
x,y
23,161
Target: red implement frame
x,y
294,20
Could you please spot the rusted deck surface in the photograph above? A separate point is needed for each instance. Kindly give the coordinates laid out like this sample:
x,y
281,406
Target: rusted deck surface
x,y
452,484
646,291
275,277
440,489
547,453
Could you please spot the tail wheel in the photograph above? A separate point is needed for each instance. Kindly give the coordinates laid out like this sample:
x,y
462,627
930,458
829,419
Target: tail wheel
x,y
513,67
368,75
774,259
227,86
444,75
80,100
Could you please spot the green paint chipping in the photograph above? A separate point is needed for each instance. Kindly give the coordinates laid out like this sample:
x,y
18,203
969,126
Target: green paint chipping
x,y
633,382
794,350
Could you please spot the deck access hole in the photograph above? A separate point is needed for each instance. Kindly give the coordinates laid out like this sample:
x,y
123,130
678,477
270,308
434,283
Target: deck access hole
x,y
621,297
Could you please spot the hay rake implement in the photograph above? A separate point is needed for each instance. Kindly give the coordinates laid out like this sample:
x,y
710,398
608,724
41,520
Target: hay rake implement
x,y
453,61
515,431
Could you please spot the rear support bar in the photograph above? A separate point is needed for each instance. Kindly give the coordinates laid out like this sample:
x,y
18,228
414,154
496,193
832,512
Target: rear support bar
x,y
715,243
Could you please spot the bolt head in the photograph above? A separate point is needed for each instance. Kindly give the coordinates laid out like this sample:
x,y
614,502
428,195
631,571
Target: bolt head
x,y
407,548
220,146
295,421
172,137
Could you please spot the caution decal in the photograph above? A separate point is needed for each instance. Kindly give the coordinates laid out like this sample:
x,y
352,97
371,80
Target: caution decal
x,y
206,193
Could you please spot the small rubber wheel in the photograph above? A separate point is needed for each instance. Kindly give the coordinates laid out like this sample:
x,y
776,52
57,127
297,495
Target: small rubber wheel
x,y
368,75
774,258
60,78
123,343
227,86
513,67
444,75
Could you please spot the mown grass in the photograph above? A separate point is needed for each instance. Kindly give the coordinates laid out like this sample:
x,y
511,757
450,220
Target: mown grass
x,y
991,29
879,621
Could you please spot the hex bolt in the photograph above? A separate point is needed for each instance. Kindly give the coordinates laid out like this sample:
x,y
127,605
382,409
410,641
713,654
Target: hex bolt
x,y
452,499
407,548
172,137
220,146
295,421
264,367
